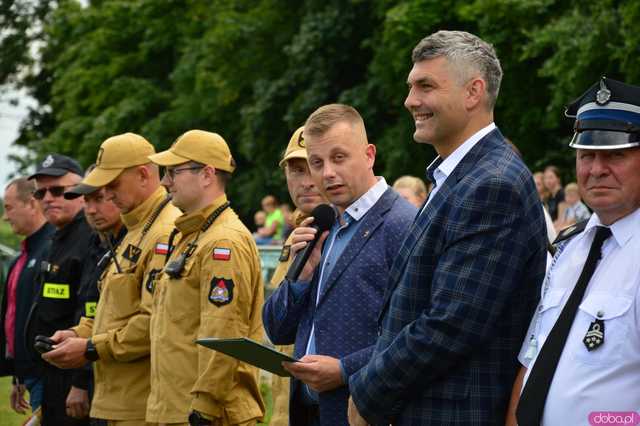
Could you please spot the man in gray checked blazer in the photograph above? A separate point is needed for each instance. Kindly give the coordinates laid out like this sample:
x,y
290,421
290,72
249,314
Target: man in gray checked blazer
x,y
467,277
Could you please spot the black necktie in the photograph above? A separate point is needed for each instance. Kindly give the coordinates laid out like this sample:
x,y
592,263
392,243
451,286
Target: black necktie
x,y
534,395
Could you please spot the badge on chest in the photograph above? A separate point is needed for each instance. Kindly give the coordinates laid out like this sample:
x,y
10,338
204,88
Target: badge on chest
x,y
132,253
595,335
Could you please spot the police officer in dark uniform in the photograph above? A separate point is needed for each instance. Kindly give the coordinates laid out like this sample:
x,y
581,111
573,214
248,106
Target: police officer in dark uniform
x,y
59,278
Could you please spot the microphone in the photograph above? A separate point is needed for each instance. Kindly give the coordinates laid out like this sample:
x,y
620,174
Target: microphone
x,y
324,217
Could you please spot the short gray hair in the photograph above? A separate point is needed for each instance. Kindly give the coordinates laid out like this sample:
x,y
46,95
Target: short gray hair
x,y
24,188
467,53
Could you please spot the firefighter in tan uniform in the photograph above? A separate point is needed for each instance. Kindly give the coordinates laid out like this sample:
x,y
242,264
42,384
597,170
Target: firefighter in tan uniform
x,y
211,286
118,338
305,197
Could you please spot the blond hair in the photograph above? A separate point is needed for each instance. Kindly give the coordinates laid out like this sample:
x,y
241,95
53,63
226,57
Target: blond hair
x,y
412,183
327,116
572,187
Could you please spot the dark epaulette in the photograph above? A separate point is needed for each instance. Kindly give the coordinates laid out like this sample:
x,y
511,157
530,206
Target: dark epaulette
x,y
567,233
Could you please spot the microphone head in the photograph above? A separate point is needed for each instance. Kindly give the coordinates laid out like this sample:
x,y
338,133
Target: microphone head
x,y
324,217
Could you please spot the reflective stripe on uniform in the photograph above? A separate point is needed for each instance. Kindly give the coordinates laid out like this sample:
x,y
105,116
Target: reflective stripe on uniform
x,y
90,309
56,291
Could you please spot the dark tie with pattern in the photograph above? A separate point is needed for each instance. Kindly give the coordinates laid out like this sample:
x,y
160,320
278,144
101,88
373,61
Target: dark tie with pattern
x,y
534,394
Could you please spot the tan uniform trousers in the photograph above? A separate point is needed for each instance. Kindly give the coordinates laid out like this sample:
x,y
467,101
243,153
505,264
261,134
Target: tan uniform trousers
x,y
221,422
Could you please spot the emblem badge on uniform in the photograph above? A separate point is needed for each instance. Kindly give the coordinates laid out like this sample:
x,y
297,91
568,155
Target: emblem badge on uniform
x,y
595,335
221,292
285,253
221,253
603,95
132,253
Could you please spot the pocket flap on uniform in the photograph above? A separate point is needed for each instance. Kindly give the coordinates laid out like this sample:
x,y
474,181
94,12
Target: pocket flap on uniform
x,y
552,299
606,306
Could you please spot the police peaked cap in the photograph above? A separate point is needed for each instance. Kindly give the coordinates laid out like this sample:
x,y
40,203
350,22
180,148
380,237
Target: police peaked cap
x,y
607,116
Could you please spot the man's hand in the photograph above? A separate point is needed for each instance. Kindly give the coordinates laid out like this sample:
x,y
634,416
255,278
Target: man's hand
x,y
18,403
68,354
62,335
355,419
77,403
321,373
301,236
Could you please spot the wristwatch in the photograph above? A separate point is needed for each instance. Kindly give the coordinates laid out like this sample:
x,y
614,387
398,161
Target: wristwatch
x,y
91,353
197,419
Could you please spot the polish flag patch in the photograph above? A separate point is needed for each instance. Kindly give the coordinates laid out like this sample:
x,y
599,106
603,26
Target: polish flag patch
x,y
162,248
221,253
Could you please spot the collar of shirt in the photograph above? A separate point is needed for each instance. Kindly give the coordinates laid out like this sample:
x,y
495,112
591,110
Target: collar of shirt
x,y
362,205
136,217
442,172
622,229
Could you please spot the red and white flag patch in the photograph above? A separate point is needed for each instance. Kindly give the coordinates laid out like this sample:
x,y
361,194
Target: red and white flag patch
x,y
162,248
220,253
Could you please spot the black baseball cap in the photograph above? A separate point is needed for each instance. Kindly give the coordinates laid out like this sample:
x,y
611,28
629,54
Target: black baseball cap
x,y
57,165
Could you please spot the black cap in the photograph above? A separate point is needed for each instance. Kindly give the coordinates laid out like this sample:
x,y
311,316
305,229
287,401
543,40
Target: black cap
x,y
607,116
79,190
57,165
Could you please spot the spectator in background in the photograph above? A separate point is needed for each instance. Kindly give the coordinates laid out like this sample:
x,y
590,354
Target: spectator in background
x,y
271,232
543,193
259,219
556,195
411,189
572,210
25,216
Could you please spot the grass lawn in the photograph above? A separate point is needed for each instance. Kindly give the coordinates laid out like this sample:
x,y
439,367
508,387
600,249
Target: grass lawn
x,y
9,418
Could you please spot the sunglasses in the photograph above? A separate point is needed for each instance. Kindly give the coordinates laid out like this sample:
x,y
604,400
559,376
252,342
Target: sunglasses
x,y
55,191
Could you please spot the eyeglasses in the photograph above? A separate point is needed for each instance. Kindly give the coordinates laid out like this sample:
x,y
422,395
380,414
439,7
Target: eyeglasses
x,y
171,173
55,191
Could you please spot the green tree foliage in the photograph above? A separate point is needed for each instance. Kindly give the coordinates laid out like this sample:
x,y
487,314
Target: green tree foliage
x,y
253,70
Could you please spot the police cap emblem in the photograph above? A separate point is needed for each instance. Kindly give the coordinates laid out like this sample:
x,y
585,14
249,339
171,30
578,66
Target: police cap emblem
x,y
603,95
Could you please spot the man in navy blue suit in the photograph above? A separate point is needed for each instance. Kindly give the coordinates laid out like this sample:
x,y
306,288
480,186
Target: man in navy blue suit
x,y
468,275
330,311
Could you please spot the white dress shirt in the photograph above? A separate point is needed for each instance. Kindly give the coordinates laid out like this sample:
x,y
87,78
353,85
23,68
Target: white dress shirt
x,y
442,172
606,379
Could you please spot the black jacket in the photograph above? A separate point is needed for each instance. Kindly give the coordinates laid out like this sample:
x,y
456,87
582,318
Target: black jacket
x,y
59,283
37,247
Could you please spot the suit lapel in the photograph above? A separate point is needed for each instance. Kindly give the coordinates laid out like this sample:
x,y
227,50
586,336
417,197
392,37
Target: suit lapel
x,y
371,221
424,219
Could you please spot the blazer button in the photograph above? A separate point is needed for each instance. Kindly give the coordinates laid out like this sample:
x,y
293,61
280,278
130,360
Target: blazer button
x,y
379,330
